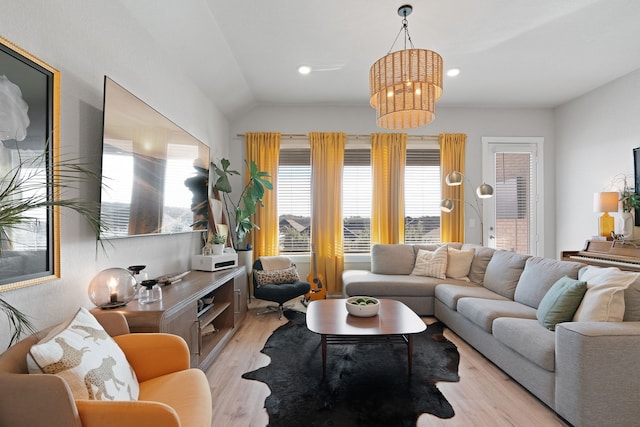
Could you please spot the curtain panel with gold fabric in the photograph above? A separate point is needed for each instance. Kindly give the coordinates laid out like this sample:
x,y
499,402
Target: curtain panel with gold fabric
x,y
263,148
327,161
452,156
388,154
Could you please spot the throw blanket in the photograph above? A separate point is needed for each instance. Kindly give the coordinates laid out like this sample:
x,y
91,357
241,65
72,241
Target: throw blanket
x,y
275,262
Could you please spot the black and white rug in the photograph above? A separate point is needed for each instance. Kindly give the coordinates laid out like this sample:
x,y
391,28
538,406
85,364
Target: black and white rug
x,y
366,385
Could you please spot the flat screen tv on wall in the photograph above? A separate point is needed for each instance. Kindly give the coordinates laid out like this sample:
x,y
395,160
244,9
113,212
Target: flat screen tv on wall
x,y
154,174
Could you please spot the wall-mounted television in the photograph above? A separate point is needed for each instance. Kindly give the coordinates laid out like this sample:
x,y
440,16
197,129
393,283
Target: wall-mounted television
x,y
154,174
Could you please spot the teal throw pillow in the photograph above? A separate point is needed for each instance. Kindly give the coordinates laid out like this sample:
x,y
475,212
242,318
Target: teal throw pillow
x,y
560,302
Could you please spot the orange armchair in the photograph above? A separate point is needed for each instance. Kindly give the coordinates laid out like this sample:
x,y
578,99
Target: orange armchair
x,y
171,394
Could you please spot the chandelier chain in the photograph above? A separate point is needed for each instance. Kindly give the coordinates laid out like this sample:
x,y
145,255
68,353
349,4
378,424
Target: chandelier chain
x,y
407,36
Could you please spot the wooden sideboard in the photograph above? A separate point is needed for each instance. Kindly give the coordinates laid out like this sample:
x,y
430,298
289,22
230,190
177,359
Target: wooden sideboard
x,y
185,311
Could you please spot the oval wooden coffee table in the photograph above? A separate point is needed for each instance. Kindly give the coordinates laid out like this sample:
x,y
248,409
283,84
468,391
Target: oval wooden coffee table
x,y
395,323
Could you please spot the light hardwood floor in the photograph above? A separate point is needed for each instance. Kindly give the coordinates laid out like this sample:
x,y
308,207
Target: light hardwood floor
x,y
485,396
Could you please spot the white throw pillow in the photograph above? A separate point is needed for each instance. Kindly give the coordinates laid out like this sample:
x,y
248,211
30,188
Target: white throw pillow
x,y
459,263
431,263
604,299
87,358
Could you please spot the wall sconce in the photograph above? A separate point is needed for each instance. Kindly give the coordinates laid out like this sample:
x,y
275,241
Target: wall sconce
x,y
112,288
483,191
605,202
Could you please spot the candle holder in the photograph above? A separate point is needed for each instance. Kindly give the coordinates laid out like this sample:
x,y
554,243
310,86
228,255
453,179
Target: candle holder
x,y
112,288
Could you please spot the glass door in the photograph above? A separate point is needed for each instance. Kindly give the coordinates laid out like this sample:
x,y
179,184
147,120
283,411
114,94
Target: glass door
x,y
512,218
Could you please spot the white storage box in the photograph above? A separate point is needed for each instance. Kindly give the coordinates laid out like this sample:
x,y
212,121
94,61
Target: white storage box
x,y
214,262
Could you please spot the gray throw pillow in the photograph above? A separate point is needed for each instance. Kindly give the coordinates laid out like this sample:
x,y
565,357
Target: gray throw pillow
x,y
503,272
560,302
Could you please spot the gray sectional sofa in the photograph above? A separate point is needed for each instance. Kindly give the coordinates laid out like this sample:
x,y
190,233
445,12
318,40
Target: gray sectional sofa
x,y
586,371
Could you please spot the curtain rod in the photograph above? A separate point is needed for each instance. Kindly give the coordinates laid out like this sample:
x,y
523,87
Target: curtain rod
x,y
355,136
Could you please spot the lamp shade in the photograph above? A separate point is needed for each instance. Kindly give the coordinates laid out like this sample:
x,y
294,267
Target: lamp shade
x,y
112,288
606,201
454,178
446,205
404,87
484,191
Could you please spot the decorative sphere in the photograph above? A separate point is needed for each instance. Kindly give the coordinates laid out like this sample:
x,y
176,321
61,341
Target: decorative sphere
x,y
112,288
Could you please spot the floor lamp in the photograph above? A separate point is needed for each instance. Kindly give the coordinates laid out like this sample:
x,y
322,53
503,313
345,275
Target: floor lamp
x,y
483,191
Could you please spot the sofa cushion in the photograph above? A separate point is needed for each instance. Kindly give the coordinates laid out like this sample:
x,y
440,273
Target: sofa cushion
x,y
459,263
434,246
560,302
87,358
362,282
632,302
431,263
187,392
503,272
527,338
604,299
392,259
449,294
483,312
481,259
539,275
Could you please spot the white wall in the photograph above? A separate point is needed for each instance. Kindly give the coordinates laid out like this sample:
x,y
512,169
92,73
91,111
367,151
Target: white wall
x,y
476,123
84,40
595,136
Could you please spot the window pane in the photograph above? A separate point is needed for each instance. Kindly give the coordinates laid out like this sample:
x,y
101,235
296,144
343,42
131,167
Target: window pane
x,y
513,209
422,196
294,201
356,207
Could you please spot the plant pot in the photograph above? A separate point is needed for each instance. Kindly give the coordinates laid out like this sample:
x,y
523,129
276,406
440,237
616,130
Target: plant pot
x,y
217,248
245,257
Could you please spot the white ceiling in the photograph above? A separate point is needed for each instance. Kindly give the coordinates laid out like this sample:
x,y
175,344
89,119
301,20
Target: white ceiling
x,y
520,53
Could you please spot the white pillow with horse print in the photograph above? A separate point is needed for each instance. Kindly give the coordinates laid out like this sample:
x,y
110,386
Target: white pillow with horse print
x,y
87,358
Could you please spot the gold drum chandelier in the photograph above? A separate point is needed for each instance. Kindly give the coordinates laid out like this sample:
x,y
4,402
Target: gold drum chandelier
x,y
404,85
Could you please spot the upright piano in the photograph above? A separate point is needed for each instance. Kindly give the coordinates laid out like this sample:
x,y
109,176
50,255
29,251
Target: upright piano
x,y
624,254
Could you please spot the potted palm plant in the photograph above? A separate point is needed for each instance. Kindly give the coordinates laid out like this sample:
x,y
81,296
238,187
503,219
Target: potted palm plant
x,y
20,195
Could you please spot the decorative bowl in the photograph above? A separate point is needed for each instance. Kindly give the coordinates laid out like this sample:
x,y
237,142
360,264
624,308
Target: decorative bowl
x,y
362,306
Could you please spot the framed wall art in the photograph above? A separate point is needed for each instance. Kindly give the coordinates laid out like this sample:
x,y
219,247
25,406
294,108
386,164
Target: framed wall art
x,y
29,143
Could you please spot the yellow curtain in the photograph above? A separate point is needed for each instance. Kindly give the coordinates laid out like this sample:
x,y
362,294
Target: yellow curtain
x,y
388,154
452,154
264,149
327,160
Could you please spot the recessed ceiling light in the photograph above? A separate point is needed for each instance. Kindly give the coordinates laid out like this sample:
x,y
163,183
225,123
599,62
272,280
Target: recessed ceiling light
x,y
453,72
304,69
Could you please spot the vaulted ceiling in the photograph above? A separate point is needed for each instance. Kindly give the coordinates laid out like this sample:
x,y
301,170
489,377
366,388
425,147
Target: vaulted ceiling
x,y
511,53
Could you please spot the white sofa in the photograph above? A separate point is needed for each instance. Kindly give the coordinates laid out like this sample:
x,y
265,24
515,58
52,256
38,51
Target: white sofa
x,y
588,372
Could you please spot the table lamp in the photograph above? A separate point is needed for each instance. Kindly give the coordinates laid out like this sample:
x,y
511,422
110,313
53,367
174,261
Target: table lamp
x,y
112,288
605,202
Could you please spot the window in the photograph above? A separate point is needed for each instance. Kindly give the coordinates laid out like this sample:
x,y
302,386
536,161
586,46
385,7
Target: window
x,y
294,200
356,200
422,196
